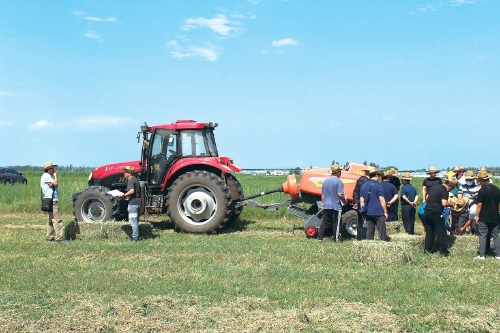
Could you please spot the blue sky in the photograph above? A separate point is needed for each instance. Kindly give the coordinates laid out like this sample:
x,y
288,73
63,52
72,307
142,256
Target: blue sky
x,y
291,83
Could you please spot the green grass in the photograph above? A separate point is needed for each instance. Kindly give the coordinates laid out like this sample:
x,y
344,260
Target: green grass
x,y
259,275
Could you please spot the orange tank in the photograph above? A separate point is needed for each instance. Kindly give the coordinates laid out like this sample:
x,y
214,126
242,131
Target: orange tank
x,y
311,180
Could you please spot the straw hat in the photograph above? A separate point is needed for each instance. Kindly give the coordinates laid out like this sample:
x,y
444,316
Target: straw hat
x,y
459,203
432,169
49,165
469,175
334,168
483,168
458,168
483,175
392,172
406,176
129,169
374,171
451,180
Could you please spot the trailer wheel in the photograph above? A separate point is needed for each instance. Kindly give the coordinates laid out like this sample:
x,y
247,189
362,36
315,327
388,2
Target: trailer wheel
x,y
311,232
199,202
236,194
94,204
350,223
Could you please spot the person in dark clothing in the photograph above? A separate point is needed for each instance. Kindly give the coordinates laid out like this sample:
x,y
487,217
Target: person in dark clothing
x,y
488,199
133,195
409,199
361,229
437,199
394,180
372,195
430,181
391,197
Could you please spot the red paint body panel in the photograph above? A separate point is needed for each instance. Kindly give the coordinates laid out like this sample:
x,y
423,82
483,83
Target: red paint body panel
x,y
182,125
311,180
114,168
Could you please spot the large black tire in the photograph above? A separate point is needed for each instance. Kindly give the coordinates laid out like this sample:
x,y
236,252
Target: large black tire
x,y
199,202
94,204
350,223
236,194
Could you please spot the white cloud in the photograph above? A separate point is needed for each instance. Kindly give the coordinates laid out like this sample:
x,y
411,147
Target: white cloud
x,y
204,52
179,55
173,44
97,19
93,35
220,24
41,124
5,123
284,42
426,9
461,2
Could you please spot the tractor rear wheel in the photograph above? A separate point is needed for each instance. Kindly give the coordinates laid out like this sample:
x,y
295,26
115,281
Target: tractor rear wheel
x,y
350,223
94,204
236,194
199,202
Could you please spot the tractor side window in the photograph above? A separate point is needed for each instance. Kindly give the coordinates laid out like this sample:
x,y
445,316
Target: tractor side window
x,y
212,148
193,143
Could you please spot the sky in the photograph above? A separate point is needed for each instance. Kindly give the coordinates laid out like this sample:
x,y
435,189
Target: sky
x,y
291,83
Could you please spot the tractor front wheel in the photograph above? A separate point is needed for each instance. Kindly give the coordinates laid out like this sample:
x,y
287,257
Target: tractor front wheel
x,y
199,202
95,204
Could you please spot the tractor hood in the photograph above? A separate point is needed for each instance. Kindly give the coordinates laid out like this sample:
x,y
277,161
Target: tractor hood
x,y
114,168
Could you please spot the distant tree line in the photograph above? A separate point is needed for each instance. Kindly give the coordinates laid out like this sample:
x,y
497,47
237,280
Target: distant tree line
x,y
69,168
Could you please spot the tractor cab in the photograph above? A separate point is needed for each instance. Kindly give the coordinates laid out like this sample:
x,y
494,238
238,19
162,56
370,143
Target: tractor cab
x,y
163,145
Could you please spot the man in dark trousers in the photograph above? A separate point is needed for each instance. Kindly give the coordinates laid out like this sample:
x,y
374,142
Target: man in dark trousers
x,y
133,195
437,199
372,195
394,180
332,197
488,199
409,199
361,229
391,196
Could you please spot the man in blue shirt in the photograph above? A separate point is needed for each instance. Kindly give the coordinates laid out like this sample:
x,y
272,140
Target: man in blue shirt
x,y
372,195
391,197
333,198
409,199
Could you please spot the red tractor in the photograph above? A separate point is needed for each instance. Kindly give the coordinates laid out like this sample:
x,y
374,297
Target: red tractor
x,y
181,173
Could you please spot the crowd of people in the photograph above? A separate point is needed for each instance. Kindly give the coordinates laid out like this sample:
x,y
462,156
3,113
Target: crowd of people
x,y
461,203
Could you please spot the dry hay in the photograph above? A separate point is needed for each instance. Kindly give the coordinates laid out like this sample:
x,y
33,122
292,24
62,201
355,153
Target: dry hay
x,y
104,230
456,243
393,227
371,251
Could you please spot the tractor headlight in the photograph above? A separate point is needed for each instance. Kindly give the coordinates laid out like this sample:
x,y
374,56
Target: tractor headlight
x,y
90,176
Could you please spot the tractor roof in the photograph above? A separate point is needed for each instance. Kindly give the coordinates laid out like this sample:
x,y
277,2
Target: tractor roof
x,y
185,124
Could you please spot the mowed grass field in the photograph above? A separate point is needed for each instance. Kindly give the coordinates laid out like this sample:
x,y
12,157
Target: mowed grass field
x,y
261,274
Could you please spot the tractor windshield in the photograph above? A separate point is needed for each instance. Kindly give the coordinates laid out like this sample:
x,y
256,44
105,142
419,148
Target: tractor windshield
x,y
194,143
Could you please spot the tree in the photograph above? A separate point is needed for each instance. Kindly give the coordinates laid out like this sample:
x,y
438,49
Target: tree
x,y
365,163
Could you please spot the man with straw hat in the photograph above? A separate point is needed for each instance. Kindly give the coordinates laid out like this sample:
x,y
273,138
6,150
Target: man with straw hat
x,y
332,197
460,211
430,181
372,196
468,190
488,199
437,199
133,195
391,196
409,199
50,189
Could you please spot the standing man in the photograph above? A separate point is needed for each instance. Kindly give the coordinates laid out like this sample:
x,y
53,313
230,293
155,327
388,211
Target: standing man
x,y
391,197
133,195
332,197
430,181
372,195
394,180
488,199
437,199
361,229
409,199
50,189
